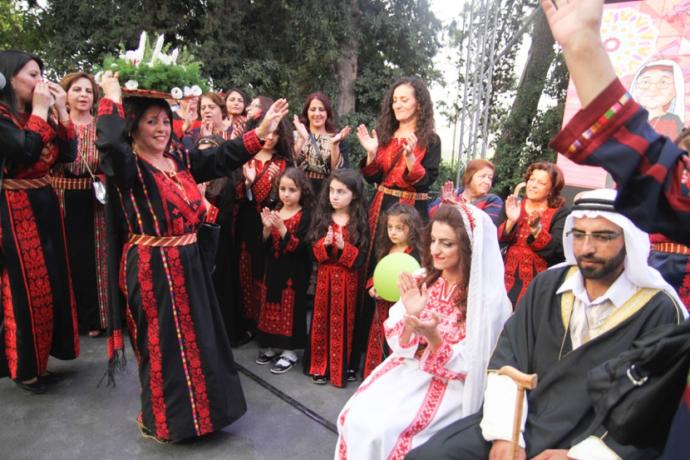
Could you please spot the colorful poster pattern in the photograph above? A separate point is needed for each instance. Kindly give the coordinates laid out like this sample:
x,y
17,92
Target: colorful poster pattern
x,y
649,45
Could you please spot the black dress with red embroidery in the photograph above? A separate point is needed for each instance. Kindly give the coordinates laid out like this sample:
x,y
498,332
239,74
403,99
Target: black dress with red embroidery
x,y
526,256
338,275
38,315
251,249
283,313
190,385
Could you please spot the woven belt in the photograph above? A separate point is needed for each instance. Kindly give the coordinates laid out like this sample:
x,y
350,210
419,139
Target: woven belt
x,y
672,248
25,184
66,183
315,175
403,194
149,240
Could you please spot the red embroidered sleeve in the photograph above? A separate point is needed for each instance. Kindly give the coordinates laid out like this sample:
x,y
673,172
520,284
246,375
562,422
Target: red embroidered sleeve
x,y
596,123
211,214
41,127
66,132
252,142
372,168
370,283
435,363
320,251
261,189
509,237
349,255
110,107
542,239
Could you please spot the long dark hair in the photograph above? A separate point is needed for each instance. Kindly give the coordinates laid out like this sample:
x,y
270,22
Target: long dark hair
x,y
326,101
241,93
450,215
387,124
299,177
411,218
135,107
554,200
11,62
357,226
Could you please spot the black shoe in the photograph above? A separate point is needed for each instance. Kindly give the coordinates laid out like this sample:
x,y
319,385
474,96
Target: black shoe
x,y
350,375
319,379
265,358
36,387
49,378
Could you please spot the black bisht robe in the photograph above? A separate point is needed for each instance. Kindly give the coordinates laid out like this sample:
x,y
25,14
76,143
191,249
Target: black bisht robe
x,y
534,340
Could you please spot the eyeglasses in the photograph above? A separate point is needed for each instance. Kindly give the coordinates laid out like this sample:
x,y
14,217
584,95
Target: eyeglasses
x,y
648,84
597,237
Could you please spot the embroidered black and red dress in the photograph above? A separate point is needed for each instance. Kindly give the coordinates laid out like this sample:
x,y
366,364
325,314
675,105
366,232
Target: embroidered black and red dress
x,y
38,317
252,253
189,382
85,230
335,304
283,314
395,183
526,255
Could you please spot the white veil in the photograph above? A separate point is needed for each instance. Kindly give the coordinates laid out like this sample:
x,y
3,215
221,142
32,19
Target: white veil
x,y
488,306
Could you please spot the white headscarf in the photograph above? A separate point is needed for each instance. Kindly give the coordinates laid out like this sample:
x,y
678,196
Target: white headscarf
x,y
599,203
488,306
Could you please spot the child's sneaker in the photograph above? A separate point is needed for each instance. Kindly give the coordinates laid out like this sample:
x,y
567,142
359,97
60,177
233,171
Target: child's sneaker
x,y
265,358
283,365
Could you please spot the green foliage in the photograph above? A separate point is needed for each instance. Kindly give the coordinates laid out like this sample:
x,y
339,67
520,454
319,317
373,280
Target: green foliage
x,y
159,76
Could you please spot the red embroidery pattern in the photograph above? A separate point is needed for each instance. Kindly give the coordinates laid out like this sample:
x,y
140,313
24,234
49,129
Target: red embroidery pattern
x,y
261,188
376,342
191,357
250,288
426,413
181,200
150,307
434,363
109,107
10,326
251,142
72,298
293,242
333,318
276,318
35,274
521,256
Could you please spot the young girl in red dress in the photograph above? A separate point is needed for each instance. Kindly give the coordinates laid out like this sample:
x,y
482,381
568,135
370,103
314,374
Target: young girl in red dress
x,y
254,193
399,231
339,237
282,315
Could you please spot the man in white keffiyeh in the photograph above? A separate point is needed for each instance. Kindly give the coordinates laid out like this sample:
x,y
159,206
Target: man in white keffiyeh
x,y
573,317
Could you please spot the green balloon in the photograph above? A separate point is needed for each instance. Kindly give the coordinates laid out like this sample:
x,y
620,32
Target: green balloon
x,y
388,271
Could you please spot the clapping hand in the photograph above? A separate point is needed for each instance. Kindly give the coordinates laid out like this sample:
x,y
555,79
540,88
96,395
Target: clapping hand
x,y
448,192
328,240
412,296
341,135
266,218
339,240
272,171
301,129
410,142
424,327
513,203
369,142
278,223
249,172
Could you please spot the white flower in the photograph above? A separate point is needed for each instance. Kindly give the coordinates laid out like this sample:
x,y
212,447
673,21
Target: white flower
x,y
98,77
196,91
187,91
132,85
176,93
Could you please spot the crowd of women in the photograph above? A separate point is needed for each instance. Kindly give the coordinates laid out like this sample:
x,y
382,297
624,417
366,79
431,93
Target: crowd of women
x,y
224,222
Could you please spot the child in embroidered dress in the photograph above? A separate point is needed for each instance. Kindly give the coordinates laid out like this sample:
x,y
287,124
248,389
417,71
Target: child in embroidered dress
x,y
339,236
282,316
399,231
